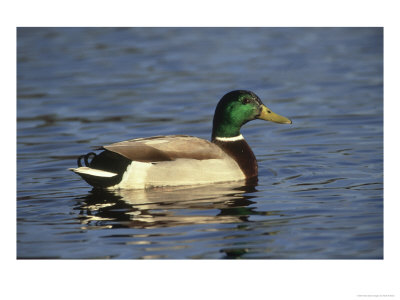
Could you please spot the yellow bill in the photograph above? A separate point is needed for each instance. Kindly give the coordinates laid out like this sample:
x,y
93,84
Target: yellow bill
x,y
268,115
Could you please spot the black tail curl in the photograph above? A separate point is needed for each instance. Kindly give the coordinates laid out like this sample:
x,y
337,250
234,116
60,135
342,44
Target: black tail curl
x,y
106,161
86,158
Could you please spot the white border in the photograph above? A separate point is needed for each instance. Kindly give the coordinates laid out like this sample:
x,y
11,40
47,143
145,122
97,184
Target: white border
x,y
262,279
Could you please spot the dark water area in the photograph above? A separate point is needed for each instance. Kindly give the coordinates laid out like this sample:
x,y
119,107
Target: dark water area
x,y
320,188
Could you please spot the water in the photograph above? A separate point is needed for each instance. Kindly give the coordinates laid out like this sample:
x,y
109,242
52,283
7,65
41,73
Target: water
x,y
320,189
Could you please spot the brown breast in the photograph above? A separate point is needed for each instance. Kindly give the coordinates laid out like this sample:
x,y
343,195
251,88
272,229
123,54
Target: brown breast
x,y
241,152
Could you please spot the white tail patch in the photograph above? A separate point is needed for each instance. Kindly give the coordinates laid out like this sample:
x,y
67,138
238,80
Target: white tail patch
x,y
94,172
135,176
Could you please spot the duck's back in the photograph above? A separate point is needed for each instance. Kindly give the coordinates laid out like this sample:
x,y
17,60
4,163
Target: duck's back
x,y
163,148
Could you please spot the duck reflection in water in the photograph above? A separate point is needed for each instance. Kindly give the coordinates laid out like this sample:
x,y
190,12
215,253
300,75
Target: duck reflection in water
x,y
166,207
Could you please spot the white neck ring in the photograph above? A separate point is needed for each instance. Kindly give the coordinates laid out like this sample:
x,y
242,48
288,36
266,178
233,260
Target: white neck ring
x,y
230,139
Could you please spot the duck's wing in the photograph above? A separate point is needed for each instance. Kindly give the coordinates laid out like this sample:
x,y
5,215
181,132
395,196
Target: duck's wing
x,y
164,148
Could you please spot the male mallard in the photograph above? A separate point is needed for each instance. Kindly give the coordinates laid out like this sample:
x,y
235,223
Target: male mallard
x,y
180,159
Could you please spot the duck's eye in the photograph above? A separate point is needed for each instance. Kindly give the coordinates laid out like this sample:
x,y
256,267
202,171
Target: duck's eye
x,y
246,100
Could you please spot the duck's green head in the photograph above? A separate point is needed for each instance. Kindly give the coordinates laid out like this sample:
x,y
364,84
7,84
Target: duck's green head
x,y
237,108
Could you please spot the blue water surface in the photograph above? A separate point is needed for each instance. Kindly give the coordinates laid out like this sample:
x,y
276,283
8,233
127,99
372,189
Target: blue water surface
x,y
320,189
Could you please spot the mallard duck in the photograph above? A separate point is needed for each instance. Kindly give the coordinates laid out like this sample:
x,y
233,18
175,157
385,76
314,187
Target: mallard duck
x,y
177,160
